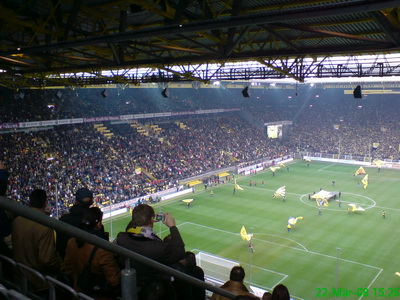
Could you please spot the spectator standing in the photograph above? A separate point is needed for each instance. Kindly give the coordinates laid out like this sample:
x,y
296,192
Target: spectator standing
x,y
192,269
5,223
83,200
142,239
103,262
34,246
234,285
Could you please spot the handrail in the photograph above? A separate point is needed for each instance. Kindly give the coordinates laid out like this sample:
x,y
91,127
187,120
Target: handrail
x,y
21,210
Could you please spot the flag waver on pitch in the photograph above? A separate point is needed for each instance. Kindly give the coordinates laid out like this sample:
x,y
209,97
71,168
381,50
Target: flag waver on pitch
x,y
238,187
292,220
245,236
355,207
378,162
360,171
365,181
281,192
273,169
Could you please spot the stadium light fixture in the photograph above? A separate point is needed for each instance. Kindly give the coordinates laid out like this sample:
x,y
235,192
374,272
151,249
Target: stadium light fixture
x,y
104,93
357,92
246,92
165,93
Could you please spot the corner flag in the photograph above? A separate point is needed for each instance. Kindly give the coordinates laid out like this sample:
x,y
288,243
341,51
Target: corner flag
x,y
244,235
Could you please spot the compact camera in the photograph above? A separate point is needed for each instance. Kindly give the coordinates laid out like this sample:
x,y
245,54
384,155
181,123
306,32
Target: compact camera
x,y
160,217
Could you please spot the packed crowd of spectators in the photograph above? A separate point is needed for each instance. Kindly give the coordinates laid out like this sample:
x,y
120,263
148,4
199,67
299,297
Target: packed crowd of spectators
x,y
65,157
363,129
341,126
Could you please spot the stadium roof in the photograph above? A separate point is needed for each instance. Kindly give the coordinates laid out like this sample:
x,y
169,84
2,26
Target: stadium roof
x,y
72,43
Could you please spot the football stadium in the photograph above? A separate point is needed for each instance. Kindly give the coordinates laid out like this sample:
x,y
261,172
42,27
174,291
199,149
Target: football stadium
x,y
199,150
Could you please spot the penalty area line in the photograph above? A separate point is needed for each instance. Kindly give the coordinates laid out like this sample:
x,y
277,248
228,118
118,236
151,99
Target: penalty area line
x,y
303,249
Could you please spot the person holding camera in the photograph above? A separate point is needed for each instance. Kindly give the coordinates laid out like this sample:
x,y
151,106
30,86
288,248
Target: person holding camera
x,y
141,238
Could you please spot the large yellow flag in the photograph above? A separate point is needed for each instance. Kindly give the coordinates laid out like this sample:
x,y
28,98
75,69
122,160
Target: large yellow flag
x,y
273,169
244,235
377,162
292,220
281,192
360,171
365,181
238,187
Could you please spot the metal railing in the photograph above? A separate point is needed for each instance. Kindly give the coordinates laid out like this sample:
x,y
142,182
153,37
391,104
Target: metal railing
x,y
128,292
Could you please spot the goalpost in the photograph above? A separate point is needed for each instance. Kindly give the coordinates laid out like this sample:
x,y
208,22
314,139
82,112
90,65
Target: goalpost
x,y
215,268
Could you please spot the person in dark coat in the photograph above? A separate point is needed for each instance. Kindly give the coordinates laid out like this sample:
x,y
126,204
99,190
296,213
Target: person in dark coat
x,y
234,285
83,200
5,222
103,262
141,238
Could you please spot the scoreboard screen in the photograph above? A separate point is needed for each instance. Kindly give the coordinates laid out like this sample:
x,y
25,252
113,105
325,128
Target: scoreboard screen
x,y
273,131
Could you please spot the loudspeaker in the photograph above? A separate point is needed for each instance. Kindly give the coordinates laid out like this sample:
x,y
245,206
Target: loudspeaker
x,y
165,93
357,92
104,93
246,92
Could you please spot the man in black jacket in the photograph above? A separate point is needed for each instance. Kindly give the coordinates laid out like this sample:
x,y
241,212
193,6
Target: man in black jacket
x,y
83,200
140,238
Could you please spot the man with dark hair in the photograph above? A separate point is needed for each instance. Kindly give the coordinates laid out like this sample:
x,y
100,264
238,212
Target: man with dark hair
x,y
141,238
280,292
234,285
34,245
103,262
192,269
83,200
38,199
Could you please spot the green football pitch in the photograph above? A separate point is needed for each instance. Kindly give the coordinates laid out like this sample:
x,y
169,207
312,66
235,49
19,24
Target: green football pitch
x,y
328,255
